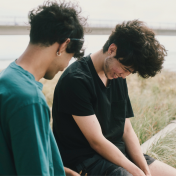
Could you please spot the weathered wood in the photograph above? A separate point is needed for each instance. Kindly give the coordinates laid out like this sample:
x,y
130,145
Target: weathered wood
x,y
153,140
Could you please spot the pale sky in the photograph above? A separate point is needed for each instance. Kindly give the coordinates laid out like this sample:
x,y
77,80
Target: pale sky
x,y
163,11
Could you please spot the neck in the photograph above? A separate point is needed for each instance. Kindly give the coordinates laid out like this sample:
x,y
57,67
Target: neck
x,y
98,59
36,60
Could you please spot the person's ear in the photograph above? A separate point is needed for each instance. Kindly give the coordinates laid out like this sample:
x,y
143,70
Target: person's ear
x,y
112,49
63,46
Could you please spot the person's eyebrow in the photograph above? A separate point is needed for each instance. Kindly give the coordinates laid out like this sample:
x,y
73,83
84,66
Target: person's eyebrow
x,y
128,69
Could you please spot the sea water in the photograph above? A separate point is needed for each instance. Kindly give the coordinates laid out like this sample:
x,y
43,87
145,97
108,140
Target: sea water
x,y
12,46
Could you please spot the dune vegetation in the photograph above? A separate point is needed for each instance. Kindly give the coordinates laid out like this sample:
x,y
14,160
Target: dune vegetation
x,y
153,101
165,149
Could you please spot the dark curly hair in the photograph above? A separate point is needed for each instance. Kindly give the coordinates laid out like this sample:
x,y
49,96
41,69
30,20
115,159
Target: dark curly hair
x,y
56,22
137,48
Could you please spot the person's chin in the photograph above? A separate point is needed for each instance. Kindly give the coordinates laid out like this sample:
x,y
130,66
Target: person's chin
x,y
110,78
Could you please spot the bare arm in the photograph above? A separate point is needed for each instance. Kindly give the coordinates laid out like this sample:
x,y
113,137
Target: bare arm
x,y
133,147
91,129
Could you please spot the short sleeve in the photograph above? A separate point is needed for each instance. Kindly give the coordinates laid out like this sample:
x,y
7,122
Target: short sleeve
x,y
74,95
30,140
129,111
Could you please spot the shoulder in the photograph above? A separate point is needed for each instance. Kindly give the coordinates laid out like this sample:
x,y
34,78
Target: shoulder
x,y
78,72
80,67
18,89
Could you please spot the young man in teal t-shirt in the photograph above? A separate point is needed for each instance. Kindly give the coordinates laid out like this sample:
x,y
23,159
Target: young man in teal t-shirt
x,y
27,145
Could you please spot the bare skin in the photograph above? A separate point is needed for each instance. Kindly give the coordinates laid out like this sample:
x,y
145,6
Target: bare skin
x,y
133,148
44,62
161,169
70,172
109,68
114,69
100,144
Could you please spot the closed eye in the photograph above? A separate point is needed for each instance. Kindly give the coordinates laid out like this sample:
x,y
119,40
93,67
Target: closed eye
x,y
127,70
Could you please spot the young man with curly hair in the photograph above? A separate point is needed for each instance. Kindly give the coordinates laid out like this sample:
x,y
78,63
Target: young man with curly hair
x,y
27,144
92,109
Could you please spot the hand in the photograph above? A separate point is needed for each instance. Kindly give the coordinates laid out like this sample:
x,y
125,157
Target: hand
x,y
138,172
148,173
73,173
70,172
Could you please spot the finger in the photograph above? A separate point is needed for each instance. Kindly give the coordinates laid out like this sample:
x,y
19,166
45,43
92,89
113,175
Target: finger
x,y
80,172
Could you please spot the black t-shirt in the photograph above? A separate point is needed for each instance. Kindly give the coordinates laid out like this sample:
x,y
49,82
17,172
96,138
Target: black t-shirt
x,y
81,92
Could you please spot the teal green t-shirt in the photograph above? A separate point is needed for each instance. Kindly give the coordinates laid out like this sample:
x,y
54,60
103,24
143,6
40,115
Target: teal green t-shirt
x,y
27,145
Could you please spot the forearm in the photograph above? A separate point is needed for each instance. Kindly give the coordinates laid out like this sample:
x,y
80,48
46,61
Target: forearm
x,y
109,151
134,150
104,147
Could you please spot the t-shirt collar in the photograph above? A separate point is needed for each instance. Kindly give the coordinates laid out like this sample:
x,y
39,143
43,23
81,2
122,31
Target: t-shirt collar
x,y
28,74
95,73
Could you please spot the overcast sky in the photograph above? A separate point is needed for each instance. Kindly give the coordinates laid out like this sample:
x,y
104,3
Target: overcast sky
x,y
146,10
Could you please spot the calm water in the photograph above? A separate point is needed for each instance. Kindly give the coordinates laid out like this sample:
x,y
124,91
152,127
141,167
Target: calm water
x,y
12,46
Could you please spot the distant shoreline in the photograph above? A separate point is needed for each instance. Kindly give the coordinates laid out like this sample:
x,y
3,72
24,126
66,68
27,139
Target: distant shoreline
x,y
5,62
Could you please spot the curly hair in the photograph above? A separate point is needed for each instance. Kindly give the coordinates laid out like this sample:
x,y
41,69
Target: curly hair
x,y
137,48
56,22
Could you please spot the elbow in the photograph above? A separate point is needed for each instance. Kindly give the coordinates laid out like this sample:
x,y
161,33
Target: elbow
x,y
97,144
126,133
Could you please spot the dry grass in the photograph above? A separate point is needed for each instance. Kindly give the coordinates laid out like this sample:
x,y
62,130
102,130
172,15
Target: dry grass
x,y
153,102
165,149
48,88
